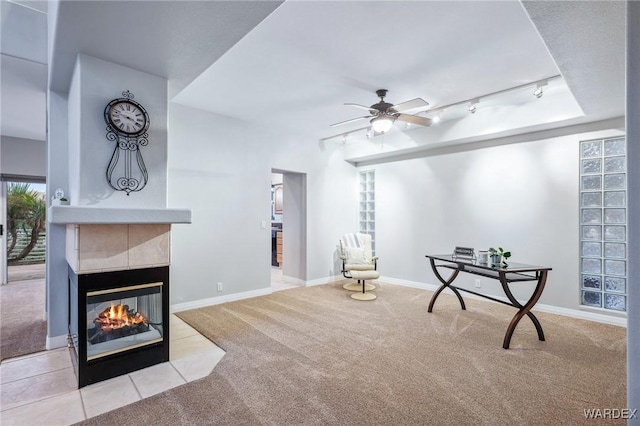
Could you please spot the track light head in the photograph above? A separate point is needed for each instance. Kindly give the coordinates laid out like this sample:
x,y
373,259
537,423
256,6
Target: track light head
x,y
539,91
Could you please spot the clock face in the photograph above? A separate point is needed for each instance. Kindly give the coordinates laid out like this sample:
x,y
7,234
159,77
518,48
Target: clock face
x,y
127,117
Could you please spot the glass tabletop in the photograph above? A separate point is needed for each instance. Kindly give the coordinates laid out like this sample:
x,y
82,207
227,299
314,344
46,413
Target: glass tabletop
x,y
504,267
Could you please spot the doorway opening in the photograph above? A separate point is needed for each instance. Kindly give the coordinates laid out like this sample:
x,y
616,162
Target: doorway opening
x,y
23,289
288,229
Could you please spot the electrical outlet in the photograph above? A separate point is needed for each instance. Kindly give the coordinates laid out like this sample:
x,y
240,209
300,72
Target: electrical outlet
x,y
477,284
220,286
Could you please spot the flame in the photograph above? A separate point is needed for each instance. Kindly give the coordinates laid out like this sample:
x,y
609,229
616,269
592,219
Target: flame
x,y
117,316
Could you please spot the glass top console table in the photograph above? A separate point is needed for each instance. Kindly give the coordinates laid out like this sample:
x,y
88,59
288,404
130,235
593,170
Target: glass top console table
x,y
506,274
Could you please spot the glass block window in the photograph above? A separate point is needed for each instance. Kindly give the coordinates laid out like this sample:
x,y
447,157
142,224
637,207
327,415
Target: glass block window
x,y
603,224
367,213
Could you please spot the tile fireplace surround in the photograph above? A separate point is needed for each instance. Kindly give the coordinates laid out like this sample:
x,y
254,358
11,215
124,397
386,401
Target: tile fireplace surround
x,y
117,247
100,239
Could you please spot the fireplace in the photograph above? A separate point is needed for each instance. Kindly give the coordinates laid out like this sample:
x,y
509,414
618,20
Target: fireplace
x,y
118,321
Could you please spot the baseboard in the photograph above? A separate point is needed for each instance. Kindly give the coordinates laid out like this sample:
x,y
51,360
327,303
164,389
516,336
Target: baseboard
x,y
407,283
580,314
322,281
56,342
573,313
201,303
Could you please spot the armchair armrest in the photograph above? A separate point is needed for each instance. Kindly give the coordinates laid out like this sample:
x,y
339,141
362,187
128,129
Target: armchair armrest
x,y
374,259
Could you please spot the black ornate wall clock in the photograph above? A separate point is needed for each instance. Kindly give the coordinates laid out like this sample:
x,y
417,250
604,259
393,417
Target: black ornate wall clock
x,y
127,125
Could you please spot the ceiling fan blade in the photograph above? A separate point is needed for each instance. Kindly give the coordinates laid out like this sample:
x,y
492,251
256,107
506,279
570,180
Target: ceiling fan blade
x,y
359,106
413,103
349,121
414,119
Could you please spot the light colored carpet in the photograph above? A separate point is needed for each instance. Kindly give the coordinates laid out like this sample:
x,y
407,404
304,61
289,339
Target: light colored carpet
x,y
23,326
312,356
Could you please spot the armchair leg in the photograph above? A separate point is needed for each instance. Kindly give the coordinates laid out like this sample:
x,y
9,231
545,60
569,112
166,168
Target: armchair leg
x,y
364,295
358,286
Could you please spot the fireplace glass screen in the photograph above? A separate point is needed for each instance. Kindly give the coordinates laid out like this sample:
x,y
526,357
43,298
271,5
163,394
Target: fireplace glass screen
x,y
123,318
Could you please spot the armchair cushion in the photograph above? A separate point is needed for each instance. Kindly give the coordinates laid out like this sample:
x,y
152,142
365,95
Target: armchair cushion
x,y
355,255
359,267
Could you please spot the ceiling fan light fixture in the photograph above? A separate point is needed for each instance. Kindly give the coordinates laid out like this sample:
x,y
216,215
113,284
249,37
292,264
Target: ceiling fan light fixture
x,y
381,124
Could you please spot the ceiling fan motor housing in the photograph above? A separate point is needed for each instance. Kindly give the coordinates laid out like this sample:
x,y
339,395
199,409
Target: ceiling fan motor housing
x,y
382,107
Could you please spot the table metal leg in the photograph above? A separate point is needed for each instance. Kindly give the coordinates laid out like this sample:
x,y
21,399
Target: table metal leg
x,y
523,309
445,283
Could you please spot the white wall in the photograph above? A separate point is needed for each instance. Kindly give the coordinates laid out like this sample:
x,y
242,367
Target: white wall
x,y
95,83
221,169
56,263
26,157
523,197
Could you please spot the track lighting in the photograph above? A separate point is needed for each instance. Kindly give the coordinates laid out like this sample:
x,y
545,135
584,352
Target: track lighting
x,y
381,124
473,106
539,92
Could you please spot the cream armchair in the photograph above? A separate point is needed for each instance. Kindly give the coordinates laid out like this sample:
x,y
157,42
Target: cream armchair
x,y
358,263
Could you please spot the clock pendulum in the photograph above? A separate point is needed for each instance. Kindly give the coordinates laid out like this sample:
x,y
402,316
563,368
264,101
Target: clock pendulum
x,y
127,125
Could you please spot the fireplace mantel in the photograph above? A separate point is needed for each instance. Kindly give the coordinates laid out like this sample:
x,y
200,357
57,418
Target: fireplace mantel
x,y
104,215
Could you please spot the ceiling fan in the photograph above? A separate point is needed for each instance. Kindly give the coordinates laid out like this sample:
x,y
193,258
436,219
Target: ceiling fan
x,y
383,114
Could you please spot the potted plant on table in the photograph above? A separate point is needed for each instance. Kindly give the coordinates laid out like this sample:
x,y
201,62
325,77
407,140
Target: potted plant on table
x,y
498,256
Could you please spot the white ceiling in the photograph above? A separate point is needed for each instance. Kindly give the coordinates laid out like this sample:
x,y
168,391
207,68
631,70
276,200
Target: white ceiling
x,y
300,65
172,39
294,65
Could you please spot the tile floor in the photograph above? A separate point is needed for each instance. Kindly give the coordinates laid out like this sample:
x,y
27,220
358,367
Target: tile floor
x,y
277,282
34,387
